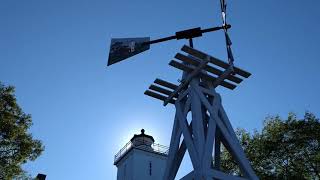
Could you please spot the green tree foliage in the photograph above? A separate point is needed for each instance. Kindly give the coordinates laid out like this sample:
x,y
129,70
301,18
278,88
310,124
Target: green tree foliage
x,y
17,146
284,149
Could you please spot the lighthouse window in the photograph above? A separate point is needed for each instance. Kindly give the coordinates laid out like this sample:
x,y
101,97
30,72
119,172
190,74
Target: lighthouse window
x,y
150,168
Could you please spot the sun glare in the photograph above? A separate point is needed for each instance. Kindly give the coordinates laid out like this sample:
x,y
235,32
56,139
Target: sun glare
x,y
138,122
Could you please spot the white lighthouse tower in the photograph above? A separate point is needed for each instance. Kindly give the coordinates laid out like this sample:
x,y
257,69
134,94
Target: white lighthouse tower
x,y
141,159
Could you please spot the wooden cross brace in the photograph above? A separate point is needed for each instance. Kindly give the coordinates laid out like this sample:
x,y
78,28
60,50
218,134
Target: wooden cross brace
x,y
196,65
208,128
187,80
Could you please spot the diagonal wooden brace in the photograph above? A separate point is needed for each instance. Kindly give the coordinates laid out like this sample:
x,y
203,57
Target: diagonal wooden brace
x,y
223,76
187,80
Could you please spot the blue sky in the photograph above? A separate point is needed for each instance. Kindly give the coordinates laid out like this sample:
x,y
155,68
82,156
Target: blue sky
x,y
55,54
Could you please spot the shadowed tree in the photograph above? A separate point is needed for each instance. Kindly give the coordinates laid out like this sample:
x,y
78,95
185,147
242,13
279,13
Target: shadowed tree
x,y
284,149
17,146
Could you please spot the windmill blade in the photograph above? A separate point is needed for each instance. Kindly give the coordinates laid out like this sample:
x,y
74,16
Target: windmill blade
x,y
123,48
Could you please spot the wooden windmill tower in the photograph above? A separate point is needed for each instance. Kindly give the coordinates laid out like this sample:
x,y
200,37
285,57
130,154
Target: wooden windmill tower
x,y
209,126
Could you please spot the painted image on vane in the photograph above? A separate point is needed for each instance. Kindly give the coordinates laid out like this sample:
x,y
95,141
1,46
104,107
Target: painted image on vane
x,y
122,48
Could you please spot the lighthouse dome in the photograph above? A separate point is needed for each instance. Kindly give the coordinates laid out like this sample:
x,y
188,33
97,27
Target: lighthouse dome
x,y
142,140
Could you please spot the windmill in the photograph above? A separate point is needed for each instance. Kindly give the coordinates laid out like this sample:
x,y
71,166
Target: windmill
x,y
209,126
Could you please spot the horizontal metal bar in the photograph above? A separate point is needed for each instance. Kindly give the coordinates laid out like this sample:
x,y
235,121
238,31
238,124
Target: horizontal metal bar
x,y
160,40
187,34
216,28
184,67
208,68
165,84
214,60
158,96
160,89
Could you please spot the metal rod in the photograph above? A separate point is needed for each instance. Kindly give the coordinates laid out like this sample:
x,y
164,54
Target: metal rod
x,y
175,37
159,40
228,26
191,42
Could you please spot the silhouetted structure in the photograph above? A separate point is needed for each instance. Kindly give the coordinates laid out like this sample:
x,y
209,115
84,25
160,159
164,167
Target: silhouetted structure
x,y
41,177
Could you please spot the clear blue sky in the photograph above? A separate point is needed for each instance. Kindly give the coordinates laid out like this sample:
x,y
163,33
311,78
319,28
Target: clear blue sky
x,y
55,54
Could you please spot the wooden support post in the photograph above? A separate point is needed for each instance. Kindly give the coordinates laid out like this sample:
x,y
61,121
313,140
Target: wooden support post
x,y
217,151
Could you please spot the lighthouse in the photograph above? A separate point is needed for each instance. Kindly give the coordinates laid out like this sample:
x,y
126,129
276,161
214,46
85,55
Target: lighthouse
x,y
141,159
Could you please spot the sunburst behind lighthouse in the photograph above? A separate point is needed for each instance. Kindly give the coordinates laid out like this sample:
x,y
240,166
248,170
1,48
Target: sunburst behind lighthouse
x,y
141,159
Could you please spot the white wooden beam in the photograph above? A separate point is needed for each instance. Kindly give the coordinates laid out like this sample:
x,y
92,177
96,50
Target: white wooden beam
x,y
197,121
174,144
235,147
187,136
189,176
